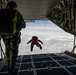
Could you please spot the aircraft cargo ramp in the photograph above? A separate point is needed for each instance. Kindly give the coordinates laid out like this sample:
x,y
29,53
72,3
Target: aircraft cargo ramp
x,y
44,64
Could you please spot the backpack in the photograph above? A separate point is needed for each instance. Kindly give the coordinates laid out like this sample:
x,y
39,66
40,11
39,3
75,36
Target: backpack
x,y
8,20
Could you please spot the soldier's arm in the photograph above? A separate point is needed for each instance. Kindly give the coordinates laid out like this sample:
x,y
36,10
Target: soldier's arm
x,y
21,20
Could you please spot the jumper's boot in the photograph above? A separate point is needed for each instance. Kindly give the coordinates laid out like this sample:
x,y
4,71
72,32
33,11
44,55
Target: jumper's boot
x,y
12,67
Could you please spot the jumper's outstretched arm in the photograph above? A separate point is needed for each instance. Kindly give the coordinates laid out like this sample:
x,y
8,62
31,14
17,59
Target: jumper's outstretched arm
x,y
40,41
29,41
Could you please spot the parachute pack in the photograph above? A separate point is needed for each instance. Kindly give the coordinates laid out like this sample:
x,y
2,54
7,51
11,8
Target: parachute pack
x,y
8,19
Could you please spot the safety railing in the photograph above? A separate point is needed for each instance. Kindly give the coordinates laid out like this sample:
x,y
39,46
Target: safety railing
x,y
1,51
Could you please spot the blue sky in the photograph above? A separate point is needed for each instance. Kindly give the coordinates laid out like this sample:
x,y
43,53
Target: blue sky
x,y
39,22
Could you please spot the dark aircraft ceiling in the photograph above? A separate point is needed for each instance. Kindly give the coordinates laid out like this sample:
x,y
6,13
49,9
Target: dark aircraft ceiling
x,y
35,9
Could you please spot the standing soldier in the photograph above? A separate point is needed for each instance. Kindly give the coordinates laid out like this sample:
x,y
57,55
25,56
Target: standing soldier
x,y
12,43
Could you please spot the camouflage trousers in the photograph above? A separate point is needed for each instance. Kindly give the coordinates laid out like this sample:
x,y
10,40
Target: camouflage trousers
x,y
11,46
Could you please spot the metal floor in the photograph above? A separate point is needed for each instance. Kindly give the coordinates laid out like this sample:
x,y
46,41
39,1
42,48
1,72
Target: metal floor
x,y
43,64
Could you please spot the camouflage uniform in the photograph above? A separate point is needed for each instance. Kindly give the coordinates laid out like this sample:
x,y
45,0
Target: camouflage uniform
x,y
12,42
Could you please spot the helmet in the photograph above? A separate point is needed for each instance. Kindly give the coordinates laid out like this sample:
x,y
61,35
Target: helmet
x,y
12,4
34,38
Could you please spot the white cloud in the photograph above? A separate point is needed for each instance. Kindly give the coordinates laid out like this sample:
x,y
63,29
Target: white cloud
x,y
55,40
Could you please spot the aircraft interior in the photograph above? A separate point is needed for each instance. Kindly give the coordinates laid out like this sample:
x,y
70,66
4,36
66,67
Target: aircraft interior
x,y
60,12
